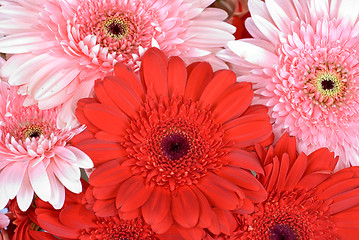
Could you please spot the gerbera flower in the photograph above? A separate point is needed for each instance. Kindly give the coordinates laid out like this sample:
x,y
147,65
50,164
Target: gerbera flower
x,y
84,224
34,156
26,225
304,63
61,47
171,147
306,201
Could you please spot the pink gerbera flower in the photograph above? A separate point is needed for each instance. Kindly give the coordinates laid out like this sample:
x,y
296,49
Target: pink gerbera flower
x,y
63,46
34,157
304,61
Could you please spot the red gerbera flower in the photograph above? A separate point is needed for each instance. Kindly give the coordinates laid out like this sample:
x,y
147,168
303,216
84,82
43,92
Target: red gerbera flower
x,y
171,148
25,224
306,201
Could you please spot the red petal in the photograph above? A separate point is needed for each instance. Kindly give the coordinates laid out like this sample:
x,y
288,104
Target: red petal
x,y
286,144
185,207
79,112
226,220
124,73
129,215
103,193
219,192
243,159
206,211
39,235
101,151
296,172
157,206
252,127
132,194
108,174
313,179
248,132
105,208
123,95
348,233
283,172
340,187
107,118
78,217
335,178
198,80
233,102
191,233
347,219
271,176
240,177
102,95
154,72
246,208
49,221
101,135
345,201
177,76
321,160
164,225
222,80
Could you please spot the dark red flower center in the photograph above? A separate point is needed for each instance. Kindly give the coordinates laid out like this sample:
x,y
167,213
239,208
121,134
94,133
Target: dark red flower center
x,y
117,28
289,215
282,232
175,142
327,84
174,146
32,131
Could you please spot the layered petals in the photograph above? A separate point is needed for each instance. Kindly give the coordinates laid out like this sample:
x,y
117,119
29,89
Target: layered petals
x,y
303,63
69,45
35,155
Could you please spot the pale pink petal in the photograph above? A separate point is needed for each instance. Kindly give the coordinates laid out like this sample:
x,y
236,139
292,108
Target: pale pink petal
x,y
25,195
40,181
14,176
253,53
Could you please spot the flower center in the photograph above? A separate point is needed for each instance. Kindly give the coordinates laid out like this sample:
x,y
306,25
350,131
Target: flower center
x,y
327,87
116,28
174,142
32,131
174,146
327,84
282,232
290,215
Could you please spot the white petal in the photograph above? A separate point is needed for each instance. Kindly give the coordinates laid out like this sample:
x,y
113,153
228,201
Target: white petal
x,y
14,177
349,10
253,54
279,16
23,43
65,154
25,195
13,64
267,28
69,170
58,191
72,185
39,180
83,161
